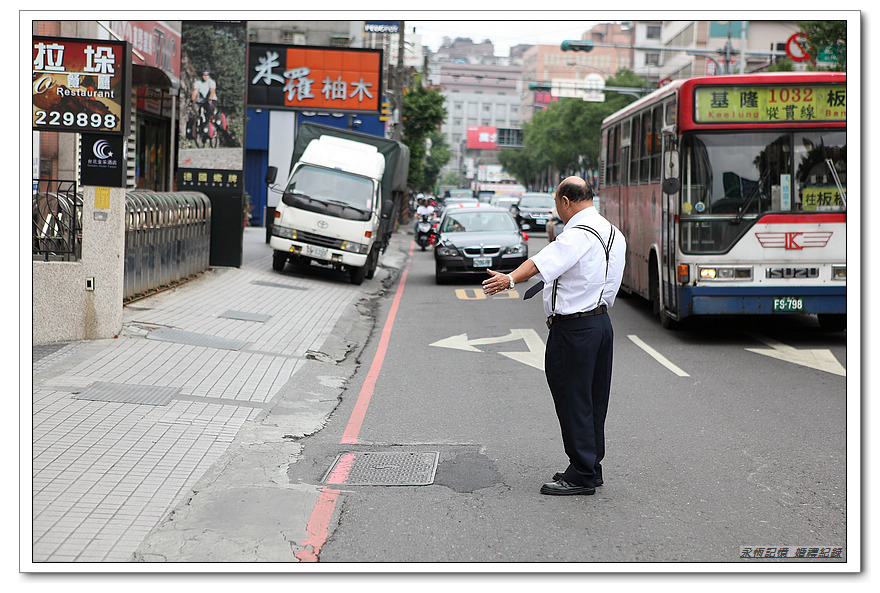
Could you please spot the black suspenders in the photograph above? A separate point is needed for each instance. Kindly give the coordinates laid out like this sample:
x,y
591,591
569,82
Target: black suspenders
x,y
607,249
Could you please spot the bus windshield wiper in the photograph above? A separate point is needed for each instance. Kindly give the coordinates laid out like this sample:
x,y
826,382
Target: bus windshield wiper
x,y
755,191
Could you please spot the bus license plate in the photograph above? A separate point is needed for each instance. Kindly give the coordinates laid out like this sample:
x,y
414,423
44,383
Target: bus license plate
x,y
788,304
482,262
313,251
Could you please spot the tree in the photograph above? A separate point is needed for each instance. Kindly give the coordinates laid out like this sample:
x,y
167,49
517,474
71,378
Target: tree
x,y
437,157
826,35
423,113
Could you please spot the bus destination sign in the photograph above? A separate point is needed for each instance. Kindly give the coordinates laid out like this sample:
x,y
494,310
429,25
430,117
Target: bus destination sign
x,y
770,104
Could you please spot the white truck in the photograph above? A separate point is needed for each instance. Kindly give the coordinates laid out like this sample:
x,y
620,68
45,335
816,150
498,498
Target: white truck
x,y
339,204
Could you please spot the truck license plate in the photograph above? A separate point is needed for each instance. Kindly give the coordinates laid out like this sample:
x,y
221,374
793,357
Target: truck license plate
x,y
482,262
313,251
788,304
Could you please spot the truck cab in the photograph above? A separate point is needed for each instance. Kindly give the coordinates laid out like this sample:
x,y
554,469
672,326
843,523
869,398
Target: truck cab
x,y
331,208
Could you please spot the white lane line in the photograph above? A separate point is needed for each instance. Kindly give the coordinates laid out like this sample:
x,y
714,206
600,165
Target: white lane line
x,y
657,356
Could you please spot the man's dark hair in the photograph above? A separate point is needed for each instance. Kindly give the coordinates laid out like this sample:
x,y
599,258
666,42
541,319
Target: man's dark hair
x,y
575,189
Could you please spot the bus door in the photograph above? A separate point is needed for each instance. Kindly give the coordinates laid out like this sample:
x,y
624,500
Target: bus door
x,y
669,199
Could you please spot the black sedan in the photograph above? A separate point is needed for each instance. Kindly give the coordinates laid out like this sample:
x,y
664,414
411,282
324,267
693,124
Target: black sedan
x,y
533,210
475,238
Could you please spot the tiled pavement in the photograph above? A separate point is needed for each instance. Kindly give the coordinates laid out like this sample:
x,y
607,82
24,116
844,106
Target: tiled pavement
x,y
106,473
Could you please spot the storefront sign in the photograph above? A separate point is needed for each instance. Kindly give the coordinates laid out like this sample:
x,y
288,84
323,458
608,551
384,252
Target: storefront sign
x,y
381,26
102,160
81,85
157,43
770,104
315,78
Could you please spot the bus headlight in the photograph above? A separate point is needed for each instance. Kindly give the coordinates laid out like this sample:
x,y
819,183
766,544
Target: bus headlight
x,y
838,273
724,273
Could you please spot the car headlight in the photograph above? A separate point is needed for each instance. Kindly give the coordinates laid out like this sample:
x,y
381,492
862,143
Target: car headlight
x,y
516,250
447,250
838,272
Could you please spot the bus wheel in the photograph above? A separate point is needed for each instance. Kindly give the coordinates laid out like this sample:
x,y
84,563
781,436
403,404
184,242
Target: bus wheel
x,y
832,322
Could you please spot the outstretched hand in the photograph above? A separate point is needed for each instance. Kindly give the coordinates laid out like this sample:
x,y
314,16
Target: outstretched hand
x,y
495,283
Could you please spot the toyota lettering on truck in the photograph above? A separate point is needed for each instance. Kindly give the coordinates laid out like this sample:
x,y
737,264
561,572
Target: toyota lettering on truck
x,y
732,190
338,204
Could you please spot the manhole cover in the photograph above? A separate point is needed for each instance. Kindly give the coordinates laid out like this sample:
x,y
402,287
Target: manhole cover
x,y
128,394
193,339
245,316
383,469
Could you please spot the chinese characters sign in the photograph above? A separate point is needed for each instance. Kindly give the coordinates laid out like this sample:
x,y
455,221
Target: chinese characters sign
x,y
770,104
315,78
81,85
484,137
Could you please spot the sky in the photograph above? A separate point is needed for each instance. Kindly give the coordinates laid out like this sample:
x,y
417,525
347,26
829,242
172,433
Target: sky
x,y
503,34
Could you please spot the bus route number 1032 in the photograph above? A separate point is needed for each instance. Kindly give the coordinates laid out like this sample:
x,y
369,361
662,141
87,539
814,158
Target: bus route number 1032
x,y
788,304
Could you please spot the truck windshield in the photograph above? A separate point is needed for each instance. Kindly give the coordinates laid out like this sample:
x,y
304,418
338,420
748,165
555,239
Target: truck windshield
x,y
329,185
729,177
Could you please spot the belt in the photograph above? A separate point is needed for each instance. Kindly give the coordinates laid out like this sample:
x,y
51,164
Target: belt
x,y
556,317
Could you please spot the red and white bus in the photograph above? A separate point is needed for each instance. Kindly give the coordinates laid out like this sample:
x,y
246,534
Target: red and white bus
x,y
731,192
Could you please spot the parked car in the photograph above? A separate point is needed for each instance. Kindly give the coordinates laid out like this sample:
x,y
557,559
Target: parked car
x,y
475,238
533,211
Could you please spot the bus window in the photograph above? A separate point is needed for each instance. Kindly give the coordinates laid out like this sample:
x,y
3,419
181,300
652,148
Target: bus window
x,y
647,135
657,125
818,157
635,152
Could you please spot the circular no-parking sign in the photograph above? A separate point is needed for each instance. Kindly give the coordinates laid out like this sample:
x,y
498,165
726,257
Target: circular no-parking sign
x,y
796,47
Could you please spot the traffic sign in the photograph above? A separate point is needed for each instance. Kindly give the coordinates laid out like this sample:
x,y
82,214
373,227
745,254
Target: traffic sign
x,y
796,47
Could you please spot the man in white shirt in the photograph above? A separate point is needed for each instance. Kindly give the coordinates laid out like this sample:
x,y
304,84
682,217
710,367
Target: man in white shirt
x,y
423,209
581,272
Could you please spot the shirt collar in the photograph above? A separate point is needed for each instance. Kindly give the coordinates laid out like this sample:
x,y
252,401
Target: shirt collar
x,y
580,217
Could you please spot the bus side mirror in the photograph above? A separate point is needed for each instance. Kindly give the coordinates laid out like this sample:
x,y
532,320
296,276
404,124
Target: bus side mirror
x,y
271,173
671,186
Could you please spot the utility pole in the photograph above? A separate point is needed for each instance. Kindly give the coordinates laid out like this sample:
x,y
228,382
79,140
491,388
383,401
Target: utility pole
x,y
399,82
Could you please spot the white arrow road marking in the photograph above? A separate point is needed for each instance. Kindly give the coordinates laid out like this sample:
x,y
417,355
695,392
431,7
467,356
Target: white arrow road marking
x,y
534,357
821,360
657,356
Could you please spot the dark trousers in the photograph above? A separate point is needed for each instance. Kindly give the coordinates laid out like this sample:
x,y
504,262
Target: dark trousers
x,y
577,362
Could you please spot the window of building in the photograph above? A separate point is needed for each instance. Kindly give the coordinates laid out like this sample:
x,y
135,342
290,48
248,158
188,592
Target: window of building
x,y
652,32
652,59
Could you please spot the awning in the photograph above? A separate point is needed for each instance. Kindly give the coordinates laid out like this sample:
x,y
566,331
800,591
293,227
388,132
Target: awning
x,y
150,76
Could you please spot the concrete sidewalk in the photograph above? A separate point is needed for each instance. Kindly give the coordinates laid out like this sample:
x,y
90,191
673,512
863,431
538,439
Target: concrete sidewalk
x,y
145,445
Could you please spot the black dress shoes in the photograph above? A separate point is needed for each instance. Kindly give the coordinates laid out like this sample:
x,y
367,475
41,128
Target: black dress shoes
x,y
558,476
563,488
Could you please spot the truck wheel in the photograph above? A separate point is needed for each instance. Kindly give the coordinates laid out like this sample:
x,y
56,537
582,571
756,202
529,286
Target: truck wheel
x,y
279,258
372,262
358,275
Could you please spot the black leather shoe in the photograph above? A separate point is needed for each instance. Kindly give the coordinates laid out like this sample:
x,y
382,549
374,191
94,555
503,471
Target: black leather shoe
x,y
563,488
558,476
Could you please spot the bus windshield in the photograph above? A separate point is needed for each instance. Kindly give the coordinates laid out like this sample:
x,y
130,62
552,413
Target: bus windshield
x,y
751,173
734,175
